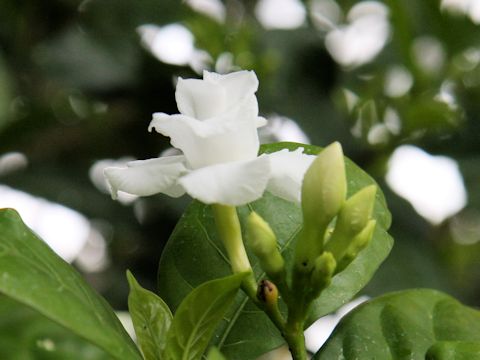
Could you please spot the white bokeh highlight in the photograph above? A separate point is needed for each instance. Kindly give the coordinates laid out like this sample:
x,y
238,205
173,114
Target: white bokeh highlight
x,y
320,330
212,8
429,54
280,14
11,162
363,37
470,8
174,44
282,128
398,81
325,14
432,184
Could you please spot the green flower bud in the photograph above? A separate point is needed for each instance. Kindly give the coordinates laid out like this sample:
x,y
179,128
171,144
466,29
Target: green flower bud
x,y
322,272
324,186
352,219
359,242
263,242
323,195
362,239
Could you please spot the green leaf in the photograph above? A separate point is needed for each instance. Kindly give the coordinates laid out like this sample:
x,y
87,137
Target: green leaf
x,y
246,332
215,354
27,335
405,325
197,317
33,274
454,350
151,319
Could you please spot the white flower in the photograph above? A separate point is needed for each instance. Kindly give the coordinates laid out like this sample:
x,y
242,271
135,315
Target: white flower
x,y
217,132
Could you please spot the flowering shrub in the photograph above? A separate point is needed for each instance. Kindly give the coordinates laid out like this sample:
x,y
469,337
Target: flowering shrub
x,y
276,237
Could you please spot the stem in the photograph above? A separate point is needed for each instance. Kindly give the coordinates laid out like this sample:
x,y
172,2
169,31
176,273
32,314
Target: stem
x,y
228,227
294,334
297,310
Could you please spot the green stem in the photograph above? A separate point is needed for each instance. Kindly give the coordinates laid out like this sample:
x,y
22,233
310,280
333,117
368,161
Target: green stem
x,y
296,317
294,333
275,315
228,227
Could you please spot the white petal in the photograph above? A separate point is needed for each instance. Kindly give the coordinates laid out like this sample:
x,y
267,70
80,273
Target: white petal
x,y
215,94
287,171
235,184
148,177
200,99
238,85
230,137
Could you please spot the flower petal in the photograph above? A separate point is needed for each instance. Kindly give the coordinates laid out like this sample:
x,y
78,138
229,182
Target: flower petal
x,y
215,94
238,85
199,99
235,183
148,177
287,171
230,137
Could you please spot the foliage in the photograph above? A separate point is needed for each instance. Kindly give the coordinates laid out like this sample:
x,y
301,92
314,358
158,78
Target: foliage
x,y
409,324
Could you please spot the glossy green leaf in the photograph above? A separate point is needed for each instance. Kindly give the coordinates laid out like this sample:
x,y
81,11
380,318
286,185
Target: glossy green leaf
x,y
194,254
33,274
27,335
197,317
454,350
404,325
215,354
151,319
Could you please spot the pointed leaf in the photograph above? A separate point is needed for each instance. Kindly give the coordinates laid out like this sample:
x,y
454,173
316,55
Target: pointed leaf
x,y
33,274
405,325
151,319
246,332
198,316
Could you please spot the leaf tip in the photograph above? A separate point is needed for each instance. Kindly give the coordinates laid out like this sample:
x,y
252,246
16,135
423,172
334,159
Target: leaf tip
x,y
132,282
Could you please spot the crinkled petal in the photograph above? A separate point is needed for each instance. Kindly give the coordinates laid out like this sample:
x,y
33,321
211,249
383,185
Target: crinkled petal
x,y
287,171
230,137
237,85
235,184
200,99
148,177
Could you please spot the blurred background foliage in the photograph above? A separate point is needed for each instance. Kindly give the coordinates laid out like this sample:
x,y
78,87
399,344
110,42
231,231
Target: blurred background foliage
x,y
79,81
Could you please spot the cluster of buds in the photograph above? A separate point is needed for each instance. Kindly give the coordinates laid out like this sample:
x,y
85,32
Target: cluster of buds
x,y
335,229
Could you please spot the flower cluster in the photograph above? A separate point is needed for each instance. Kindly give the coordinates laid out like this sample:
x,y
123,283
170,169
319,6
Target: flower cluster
x,y
216,131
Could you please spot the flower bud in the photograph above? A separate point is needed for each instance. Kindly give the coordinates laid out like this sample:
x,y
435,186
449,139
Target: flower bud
x,y
324,186
323,270
263,242
359,242
267,293
352,219
323,194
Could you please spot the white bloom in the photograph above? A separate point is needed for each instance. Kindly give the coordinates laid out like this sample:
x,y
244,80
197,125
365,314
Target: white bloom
x,y
217,132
